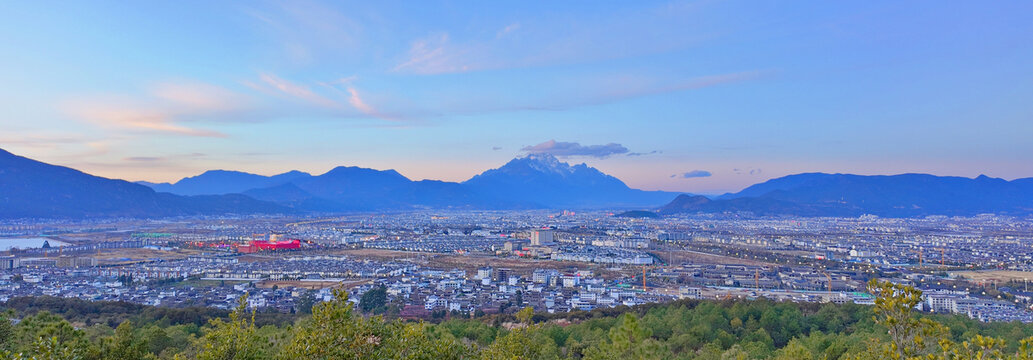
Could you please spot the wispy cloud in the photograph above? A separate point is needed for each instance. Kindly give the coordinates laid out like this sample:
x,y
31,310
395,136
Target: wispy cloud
x,y
434,55
748,171
507,30
693,174
355,99
165,158
143,158
307,31
358,103
335,98
582,90
316,32
347,80
644,153
568,149
130,115
297,91
163,108
549,41
198,96
178,107
39,141
60,147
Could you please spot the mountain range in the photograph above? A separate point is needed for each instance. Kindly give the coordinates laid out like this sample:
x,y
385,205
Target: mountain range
x,y
534,181
218,182
30,188
905,195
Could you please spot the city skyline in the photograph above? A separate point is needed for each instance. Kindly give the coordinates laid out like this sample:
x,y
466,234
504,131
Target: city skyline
x,y
700,97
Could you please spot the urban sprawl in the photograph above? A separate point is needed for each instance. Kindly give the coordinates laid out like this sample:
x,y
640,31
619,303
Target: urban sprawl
x,y
467,263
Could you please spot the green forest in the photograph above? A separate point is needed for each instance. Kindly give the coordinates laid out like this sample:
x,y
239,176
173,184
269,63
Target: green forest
x,y
52,328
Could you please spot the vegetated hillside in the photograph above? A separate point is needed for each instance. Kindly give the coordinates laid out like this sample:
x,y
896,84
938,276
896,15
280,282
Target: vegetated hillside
x,y
30,188
638,214
113,313
685,329
905,195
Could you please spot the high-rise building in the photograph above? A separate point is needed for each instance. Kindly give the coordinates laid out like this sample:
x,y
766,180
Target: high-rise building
x,y
539,237
484,273
502,274
543,276
8,262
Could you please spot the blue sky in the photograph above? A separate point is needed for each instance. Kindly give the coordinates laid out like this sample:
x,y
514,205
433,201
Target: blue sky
x,y
698,96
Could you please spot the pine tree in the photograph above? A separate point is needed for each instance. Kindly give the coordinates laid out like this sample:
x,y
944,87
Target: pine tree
x,y
231,340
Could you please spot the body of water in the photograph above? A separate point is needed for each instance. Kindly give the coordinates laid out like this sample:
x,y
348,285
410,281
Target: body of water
x,y
26,243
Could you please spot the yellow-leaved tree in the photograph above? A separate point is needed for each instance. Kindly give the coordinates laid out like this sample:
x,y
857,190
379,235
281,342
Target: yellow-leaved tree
x,y
336,331
525,342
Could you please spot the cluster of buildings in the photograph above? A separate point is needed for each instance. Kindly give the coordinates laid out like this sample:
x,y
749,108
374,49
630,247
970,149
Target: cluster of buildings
x,y
493,290
11,262
982,309
602,255
579,261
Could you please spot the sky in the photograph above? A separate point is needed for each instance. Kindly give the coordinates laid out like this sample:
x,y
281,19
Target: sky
x,y
694,96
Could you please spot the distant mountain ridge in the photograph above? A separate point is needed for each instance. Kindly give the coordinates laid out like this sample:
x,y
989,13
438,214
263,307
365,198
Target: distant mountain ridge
x,y
218,182
535,181
904,195
30,188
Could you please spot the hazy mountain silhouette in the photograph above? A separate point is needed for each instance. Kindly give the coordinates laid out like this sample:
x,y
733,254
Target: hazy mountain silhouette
x,y
355,189
536,181
905,195
217,182
30,188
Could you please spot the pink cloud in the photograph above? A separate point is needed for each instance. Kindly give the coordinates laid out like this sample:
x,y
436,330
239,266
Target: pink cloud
x,y
356,101
297,91
434,55
199,96
132,116
162,109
